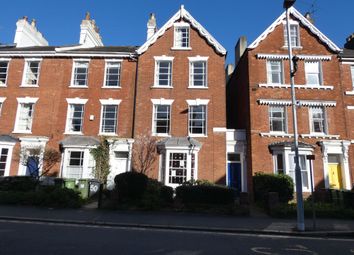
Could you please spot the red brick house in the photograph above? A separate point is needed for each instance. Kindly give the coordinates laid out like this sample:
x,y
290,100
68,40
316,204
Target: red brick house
x,y
67,97
180,98
259,102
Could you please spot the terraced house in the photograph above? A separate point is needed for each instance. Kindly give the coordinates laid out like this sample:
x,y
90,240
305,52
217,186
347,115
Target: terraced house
x,y
66,97
259,101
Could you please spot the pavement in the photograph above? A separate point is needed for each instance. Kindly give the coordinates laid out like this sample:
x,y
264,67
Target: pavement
x,y
257,223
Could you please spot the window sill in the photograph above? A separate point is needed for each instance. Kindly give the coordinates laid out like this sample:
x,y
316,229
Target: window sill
x,y
349,93
319,135
22,131
73,133
287,86
28,86
161,135
78,87
161,87
197,135
181,48
107,134
3,86
293,47
196,87
111,87
276,134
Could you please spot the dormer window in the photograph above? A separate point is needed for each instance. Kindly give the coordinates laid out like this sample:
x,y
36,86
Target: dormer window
x,y
181,36
294,35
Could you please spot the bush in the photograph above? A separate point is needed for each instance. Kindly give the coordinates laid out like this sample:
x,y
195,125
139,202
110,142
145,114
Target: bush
x,y
18,183
156,195
49,196
130,186
265,183
205,194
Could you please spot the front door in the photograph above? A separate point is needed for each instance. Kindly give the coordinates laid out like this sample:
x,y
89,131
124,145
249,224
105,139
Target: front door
x,y
335,176
118,165
234,176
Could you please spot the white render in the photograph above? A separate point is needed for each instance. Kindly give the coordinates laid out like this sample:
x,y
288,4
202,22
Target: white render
x,y
89,35
27,35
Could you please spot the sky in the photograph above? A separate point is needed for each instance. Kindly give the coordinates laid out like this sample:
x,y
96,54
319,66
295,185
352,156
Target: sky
x,y
124,22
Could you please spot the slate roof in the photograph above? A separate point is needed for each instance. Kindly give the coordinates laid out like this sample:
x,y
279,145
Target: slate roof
x,y
99,49
179,142
8,139
347,53
79,141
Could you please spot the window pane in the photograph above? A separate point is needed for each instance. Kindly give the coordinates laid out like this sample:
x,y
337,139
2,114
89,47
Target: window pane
x,y
178,168
32,70
25,117
164,73
182,37
318,120
162,119
109,118
294,35
277,118
80,73
113,74
198,73
197,119
3,72
274,72
75,119
313,76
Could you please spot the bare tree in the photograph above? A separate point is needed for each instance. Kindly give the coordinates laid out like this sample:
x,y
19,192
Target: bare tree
x,y
144,152
37,158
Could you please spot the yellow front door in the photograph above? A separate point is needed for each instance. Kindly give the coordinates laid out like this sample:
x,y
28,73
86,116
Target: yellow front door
x,y
335,176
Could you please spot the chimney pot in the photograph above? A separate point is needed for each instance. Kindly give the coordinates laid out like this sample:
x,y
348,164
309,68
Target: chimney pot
x,y
87,16
33,23
151,26
309,18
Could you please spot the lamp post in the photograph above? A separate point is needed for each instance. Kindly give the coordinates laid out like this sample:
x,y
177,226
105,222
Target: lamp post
x,y
300,205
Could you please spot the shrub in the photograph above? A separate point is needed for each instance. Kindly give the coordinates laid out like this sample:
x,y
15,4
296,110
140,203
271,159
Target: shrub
x,y
130,186
156,195
280,183
50,196
205,194
18,183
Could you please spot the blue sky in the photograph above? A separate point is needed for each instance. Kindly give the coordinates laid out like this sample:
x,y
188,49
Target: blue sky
x,y
124,22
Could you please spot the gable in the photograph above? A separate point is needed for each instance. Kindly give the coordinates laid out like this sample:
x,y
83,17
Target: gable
x,y
307,24
186,16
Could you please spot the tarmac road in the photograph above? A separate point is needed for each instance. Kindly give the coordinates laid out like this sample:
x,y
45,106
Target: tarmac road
x,y
33,238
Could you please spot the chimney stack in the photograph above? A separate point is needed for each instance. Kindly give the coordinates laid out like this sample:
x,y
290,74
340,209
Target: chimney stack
x,y
240,48
350,42
89,34
151,26
228,72
27,34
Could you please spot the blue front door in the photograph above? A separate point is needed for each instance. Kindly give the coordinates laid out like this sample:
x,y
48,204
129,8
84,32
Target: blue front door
x,y
32,167
234,180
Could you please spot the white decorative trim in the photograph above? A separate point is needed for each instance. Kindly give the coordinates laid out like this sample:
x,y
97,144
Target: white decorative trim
x,y
110,101
76,100
198,101
65,54
299,102
349,93
5,59
219,129
163,57
350,107
183,14
304,22
319,135
301,57
198,58
2,99
276,134
287,86
162,101
27,100
112,60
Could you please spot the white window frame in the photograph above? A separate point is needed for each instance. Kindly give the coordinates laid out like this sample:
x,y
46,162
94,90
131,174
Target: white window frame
x,y
324,122
7,61
2,100
75,62
284,118
198,102
20,101
165,165
352,75
292,24
74,101
156,102
192,61
319,73
177,26
286,153
109,62
108,102
25,71
158,60
270,71
9,146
